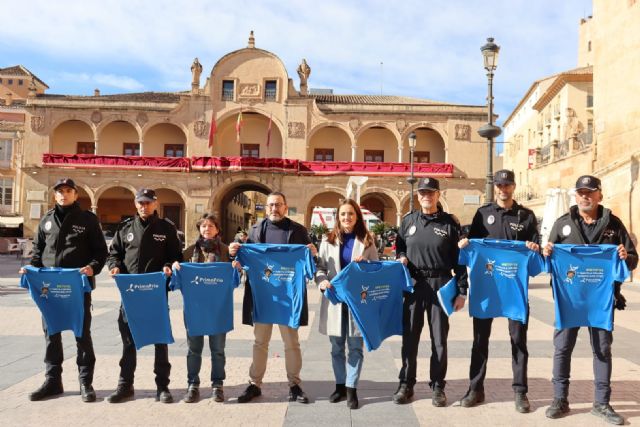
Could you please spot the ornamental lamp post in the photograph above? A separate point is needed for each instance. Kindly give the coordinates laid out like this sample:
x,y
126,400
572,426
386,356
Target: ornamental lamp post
x,y
411,179
489,131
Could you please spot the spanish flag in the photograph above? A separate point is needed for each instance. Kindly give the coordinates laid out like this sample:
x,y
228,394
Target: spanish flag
x,y
238,126
213,129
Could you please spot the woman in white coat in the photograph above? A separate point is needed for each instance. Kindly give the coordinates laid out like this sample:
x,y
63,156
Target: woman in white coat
x,y
348,241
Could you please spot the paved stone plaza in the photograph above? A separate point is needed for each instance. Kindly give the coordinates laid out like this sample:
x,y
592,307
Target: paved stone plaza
x,y
22,351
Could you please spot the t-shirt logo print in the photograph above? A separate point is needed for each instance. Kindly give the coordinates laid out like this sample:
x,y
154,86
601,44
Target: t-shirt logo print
x,y
489,267
571,274
130,288
363,295
267,272
44,292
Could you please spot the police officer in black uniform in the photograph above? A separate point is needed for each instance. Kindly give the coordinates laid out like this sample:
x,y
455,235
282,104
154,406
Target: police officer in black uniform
x,y
427,243
502,219
144,243
588,223
69,237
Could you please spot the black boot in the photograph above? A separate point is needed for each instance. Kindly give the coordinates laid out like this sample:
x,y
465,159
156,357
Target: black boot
x,y
403,394
87,392
339,393
50,387
352,398
123,393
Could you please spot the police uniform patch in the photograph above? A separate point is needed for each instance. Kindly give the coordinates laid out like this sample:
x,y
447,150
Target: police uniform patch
x,y
566,230
491,219
129,237
412,230
47,225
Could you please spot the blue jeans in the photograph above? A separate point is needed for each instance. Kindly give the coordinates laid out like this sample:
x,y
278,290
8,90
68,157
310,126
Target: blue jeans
x,y
194,359
346,373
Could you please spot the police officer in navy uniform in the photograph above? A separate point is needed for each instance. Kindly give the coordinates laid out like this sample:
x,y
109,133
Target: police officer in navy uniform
x,y
427,243
588,223
69,237
502,219
144,243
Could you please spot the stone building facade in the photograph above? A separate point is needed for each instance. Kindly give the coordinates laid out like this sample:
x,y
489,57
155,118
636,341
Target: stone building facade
x,y
292,140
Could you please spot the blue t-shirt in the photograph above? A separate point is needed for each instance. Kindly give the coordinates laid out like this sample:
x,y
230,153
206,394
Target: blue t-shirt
x,y
373,292
447,294
59,294
582,277
499,273
207,294
278,275
144,297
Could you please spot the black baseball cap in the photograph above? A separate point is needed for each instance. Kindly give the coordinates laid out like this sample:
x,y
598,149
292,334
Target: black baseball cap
x,y
504,176
146,195
65,181
428,184
588,182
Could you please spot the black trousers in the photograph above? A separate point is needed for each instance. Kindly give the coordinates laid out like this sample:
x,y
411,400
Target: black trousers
x,y
85,359
128,362
564,340
424,298
480,353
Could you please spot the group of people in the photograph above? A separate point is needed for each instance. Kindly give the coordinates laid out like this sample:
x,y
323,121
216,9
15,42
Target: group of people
x,y
428,244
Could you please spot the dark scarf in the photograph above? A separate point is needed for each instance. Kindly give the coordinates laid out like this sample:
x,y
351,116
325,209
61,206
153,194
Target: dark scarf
x,y
210,249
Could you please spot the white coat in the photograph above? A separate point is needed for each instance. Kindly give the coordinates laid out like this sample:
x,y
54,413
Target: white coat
x,y
328,267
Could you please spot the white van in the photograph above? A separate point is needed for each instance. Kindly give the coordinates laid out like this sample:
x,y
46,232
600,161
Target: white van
x,y
328,217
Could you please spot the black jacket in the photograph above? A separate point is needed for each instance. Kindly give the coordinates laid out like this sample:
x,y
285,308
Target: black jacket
x,y
430,242
296,235
75,243
144,248
610,230
492,221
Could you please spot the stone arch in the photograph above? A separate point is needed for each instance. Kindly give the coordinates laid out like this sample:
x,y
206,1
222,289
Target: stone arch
x,y
224,196
322,125
114,133
114,202
331,136
157,135
374,137
326,198
60,120
384,202
226,134
89,204
427,142
66,135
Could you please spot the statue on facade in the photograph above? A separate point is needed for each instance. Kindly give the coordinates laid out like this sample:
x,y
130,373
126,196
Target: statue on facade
x,y
196,71
574,128
303,72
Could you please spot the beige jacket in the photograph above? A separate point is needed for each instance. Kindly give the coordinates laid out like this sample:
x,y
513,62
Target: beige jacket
x,y
328,267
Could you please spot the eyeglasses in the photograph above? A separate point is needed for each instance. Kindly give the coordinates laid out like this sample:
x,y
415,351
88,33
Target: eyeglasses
x,y
275,205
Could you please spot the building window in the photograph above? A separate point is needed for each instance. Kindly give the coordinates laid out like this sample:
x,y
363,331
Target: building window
x,y
174,150
20,82
421,157
0,79
6,192
589,46
130,149
270,87
6,151
10,81
323,155
250,150
227,90
86,147
374,155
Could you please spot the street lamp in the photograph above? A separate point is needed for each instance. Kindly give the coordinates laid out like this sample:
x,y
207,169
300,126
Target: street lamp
x,y
412,179
489,131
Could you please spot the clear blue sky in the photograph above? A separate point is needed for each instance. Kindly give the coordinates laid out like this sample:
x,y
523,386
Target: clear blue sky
x,y
429,48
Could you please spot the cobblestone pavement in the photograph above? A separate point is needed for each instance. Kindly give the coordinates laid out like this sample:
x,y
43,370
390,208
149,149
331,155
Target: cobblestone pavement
x,y
22,351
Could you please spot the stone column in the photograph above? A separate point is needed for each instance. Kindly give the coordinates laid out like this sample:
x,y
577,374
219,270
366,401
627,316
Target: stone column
x,y
353,153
